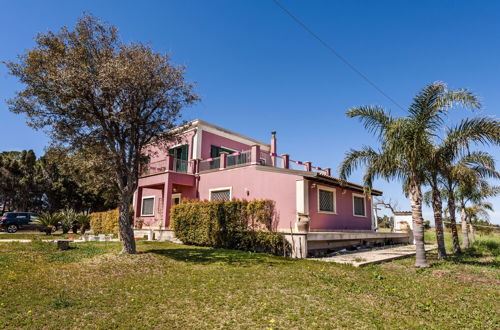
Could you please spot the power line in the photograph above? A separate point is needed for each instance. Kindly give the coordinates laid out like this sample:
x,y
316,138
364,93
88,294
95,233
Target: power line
x,y
337,54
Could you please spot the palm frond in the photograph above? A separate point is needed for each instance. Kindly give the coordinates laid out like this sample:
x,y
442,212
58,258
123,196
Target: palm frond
x,y
374,118
472,130
354,159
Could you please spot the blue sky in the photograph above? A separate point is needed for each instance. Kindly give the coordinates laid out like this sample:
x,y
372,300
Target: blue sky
x,y
258,71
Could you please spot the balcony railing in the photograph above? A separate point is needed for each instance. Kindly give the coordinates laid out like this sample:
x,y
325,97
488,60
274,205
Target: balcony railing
x,y
180,165
209,164
239,158
161,166
154,167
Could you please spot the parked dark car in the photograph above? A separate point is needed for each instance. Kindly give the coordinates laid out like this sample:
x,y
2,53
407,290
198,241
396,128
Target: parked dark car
x,y
12,221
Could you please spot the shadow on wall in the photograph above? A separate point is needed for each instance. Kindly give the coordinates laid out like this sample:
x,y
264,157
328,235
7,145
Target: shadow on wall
x,y
202,255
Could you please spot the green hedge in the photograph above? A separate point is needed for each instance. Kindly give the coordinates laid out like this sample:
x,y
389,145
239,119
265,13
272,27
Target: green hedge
x,y
237,224
104,222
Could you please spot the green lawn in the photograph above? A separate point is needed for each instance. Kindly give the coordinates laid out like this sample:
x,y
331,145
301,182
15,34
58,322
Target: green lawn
x,y
175,286
37,236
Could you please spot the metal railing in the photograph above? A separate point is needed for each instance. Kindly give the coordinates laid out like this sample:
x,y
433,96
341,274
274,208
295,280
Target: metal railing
x,y
296,165
318,170
239,158
209,164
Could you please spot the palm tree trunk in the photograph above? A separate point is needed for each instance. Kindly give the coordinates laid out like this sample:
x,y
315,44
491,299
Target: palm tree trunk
x,y
472,234
437,207
453,221
418,224
465,227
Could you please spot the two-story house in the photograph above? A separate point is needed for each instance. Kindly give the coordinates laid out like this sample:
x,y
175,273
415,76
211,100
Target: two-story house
x,y
208,162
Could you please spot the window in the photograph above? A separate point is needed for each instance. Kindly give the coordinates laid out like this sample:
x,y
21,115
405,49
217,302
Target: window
x,y
215,151
326,200
220,194
148,206
358,202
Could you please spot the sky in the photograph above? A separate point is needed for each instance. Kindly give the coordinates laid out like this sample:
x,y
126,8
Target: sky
x,y
257,71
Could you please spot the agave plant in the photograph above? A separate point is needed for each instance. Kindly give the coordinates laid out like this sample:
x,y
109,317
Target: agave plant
x,y
68,219
49,221
84,221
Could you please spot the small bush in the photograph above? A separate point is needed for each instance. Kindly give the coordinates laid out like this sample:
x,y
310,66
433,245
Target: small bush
x,y
236,224
68,219
104,222
48,221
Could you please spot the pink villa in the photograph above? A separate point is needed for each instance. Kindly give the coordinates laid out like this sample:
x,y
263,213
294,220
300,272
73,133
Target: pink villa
x,y
208,162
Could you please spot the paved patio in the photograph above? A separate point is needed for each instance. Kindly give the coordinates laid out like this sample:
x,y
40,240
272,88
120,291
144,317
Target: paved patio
x,y
358,259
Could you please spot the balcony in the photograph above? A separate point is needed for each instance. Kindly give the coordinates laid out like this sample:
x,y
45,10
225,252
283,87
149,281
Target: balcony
x,y
161,166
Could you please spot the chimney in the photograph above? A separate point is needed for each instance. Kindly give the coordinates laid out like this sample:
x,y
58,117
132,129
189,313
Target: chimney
x,y
273,148
274,151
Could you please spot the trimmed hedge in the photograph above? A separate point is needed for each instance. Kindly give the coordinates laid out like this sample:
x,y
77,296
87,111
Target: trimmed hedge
x,y
104,222
237,224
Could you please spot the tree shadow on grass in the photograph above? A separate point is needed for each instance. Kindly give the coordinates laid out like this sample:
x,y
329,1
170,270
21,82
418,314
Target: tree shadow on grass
x,y
202,255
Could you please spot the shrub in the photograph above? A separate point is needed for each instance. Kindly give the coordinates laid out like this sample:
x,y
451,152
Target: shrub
x,y
68,219
104,222
48,221
84,222
236,224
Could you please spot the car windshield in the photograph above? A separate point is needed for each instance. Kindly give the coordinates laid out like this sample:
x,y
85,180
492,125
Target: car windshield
x,y
9,214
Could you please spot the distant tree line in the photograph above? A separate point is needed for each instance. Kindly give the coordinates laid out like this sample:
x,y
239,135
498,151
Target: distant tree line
x,y
58,180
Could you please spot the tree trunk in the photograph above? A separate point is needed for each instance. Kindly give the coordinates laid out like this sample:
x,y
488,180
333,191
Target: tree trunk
x,y
465,228
472,234
125,225
453,221
437,207
418,225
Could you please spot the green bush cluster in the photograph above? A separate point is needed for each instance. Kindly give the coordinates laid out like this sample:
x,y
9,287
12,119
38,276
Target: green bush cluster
x,y
237,224
104,222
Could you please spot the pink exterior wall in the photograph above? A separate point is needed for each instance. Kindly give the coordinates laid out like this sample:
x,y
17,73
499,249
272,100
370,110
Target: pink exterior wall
x,y
344,219
247,182
158,194
277,186
158,152
208,139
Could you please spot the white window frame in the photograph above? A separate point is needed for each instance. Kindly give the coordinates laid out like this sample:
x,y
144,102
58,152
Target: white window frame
x,y
354,208
334,191
220,189
142,206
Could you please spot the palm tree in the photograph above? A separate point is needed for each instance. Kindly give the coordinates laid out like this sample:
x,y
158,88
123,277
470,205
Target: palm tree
x,y
440,160
469,168
84,221
48,221
68,218
478,213
472,192
405,145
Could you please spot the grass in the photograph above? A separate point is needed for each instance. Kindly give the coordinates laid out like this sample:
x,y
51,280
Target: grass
x,y
176,286
37,236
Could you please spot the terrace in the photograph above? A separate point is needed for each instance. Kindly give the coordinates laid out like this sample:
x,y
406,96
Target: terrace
x,y
253,156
